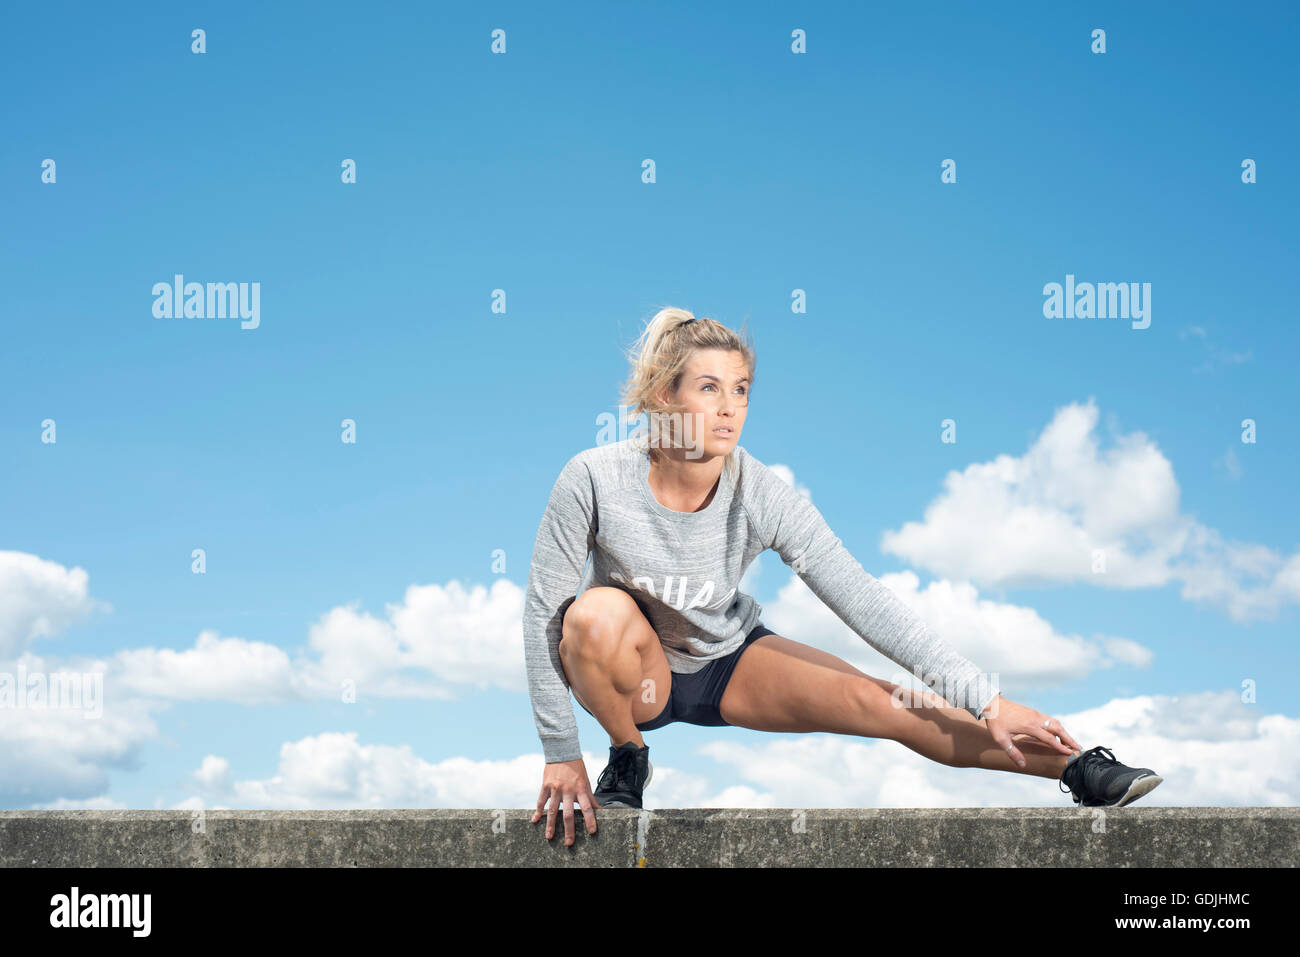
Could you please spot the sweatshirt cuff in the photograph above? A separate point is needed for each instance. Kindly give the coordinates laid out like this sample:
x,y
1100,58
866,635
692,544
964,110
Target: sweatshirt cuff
x,y
988,693
561,749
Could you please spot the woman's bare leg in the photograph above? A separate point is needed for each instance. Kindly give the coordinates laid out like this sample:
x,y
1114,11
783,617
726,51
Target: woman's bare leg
x,y
614,662
783,685
953,736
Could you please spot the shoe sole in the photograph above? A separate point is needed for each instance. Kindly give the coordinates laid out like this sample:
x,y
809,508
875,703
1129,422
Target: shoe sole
x,y
1138,788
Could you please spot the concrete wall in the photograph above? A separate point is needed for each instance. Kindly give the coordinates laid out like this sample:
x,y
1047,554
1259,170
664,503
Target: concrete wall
x,y
1017,837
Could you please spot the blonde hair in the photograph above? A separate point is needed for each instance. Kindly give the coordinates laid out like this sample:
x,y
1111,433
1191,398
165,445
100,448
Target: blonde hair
x,y
660,354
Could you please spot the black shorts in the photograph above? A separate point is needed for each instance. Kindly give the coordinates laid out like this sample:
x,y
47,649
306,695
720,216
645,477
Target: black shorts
x,y
696,698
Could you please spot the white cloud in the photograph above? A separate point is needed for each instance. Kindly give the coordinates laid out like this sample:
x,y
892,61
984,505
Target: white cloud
x,y
1215,355
48,753
443,636
101,803
335,770
433,644
213,774
1210,748
1014,641
38,599
1124,651
1230,463
1041,518
1215,571
215,669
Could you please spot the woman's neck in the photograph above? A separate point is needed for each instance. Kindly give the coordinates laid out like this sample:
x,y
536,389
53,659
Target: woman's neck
x,y
685,482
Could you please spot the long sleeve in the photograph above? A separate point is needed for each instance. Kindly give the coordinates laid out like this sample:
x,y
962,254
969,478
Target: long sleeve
x,y
565,536
797,532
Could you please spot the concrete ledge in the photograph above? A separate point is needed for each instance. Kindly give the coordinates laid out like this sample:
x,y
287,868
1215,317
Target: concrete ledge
x,y
895,837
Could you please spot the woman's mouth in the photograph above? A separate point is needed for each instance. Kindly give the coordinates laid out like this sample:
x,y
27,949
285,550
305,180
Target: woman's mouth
x,y
723,431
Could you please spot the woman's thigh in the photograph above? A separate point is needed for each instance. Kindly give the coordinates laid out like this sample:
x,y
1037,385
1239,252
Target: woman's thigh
x,y
783,685
616,632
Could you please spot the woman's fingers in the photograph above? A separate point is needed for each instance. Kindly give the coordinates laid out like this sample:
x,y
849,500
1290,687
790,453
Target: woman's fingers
x,y
1004,741
541,804
587,801
1059,730
1054,730
553,793
1030,733
1049,738
1033,725
569,798
556,799
551,811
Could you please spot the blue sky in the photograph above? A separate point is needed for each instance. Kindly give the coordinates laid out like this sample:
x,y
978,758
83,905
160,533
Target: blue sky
x,y
522,171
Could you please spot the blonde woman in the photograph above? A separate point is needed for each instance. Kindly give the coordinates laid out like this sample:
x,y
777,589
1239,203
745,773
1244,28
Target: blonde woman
x,y
655,630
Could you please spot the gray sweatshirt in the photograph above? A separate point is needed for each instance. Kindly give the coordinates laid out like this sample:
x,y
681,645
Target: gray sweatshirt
x,y
684,568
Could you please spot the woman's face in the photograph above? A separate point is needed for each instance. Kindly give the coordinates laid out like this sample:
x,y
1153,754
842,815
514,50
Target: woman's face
x,y
714,392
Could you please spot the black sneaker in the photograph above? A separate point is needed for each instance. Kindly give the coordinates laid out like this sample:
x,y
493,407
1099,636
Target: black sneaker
x,y
625,777
1096,779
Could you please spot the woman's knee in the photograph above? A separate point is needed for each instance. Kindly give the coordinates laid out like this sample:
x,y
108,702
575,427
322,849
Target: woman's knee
x,y
595,624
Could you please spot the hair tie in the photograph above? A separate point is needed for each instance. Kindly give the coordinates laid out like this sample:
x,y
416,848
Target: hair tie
x,y
685,323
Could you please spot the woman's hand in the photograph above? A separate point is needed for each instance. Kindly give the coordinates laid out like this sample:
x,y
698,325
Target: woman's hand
x,y
1005,718
565,782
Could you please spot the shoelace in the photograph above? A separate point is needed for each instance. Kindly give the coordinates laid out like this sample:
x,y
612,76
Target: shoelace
x,y
1108,757
621,773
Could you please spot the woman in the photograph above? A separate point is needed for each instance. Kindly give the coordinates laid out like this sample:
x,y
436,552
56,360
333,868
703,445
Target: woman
x,y
656,631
